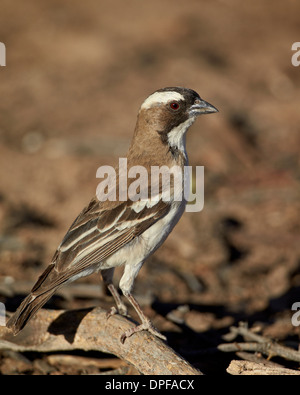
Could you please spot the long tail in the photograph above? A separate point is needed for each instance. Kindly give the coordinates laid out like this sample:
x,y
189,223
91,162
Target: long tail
x,y
43,289
27,309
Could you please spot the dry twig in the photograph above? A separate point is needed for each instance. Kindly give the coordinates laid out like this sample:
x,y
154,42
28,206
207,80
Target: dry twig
x,y
257,343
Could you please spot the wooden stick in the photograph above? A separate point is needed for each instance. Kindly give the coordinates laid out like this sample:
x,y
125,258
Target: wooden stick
x,y
253,368
89,329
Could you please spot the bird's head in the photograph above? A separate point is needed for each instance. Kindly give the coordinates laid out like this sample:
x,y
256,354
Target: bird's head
x,y
169,112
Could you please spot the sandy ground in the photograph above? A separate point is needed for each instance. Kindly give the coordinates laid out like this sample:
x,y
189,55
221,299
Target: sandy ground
x,y
75,77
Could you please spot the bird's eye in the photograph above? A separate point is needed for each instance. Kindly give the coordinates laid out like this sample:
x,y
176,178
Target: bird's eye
x,y
174,105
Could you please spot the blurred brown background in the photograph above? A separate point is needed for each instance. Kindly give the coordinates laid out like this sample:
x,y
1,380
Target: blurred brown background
x,y
77,72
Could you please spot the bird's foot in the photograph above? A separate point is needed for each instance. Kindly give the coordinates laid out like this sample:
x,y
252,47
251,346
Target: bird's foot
x,y
120,309
111,312
145,326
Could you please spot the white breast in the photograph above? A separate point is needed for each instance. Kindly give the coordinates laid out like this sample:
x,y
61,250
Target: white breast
x,y
141,248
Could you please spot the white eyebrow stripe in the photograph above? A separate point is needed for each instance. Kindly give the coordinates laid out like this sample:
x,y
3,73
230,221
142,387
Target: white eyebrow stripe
x,y
161,97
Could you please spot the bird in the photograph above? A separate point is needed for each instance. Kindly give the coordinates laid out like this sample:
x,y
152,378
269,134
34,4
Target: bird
x,y
112,233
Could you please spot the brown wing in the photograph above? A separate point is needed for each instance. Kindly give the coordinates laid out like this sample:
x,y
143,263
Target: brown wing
x,y
95,235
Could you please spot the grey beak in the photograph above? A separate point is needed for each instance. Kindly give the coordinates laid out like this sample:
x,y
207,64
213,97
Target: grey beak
x,y
202,107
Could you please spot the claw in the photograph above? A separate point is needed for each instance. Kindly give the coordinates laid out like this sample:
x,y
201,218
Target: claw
x,y
145,326
119,310
111,312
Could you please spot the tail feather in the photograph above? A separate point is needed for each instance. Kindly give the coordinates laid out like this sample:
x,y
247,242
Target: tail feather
x,y
40,293
27,310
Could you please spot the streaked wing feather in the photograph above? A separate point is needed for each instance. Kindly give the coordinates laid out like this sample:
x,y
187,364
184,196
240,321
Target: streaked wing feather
x,y
97,234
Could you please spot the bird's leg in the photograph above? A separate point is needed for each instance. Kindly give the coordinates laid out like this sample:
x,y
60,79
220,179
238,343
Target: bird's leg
x,y
146,323
126,285
121,308
107,276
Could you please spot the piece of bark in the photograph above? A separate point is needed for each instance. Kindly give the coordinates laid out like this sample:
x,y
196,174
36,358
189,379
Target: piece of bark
x,y
105,365
89,329
257,357
253,368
